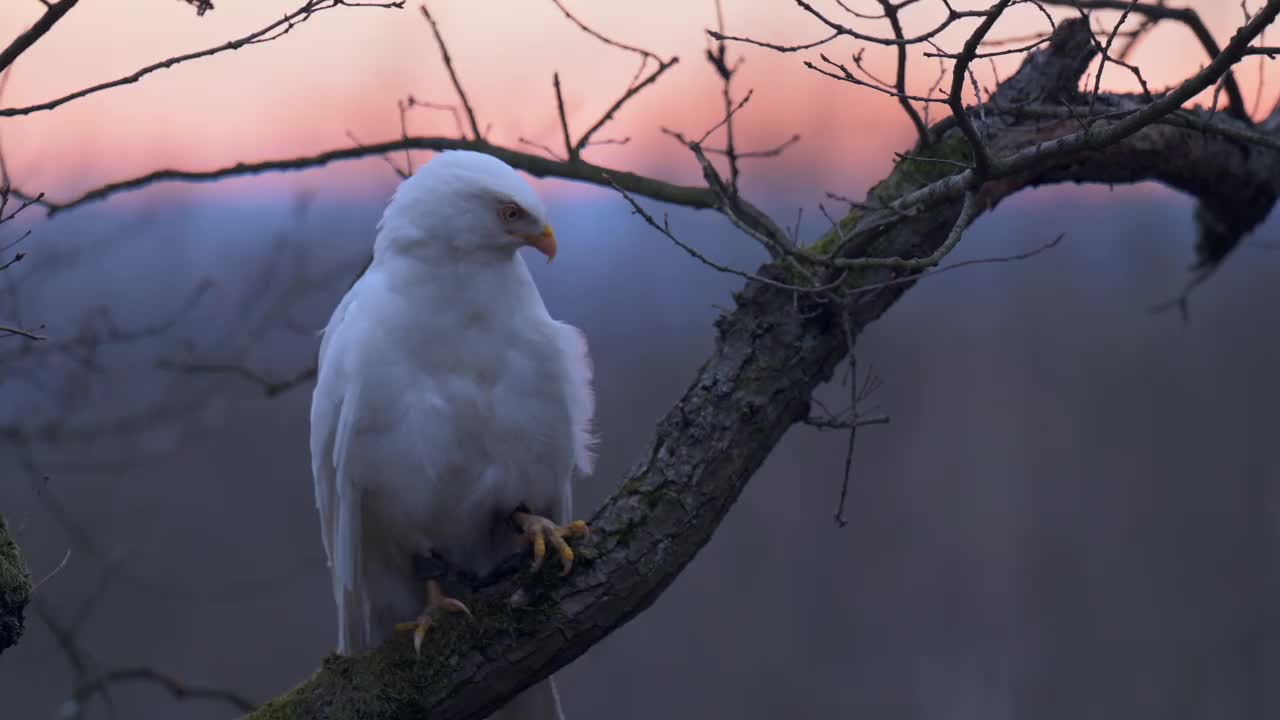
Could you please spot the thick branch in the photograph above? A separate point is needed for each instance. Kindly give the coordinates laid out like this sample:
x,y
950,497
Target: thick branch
x,y
695,197
770,354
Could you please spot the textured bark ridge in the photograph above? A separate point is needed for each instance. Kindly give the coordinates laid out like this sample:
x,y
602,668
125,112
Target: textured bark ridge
x,y
15,588
770,354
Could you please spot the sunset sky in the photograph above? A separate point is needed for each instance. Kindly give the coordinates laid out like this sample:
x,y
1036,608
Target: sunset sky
x,y
343,71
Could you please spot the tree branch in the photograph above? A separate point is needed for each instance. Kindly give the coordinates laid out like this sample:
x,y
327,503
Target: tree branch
x,y
270,387
52,14
900,79
694,197
453,75
633,88
179,690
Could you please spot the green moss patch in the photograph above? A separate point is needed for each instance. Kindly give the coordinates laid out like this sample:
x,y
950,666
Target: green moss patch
x,y
15,588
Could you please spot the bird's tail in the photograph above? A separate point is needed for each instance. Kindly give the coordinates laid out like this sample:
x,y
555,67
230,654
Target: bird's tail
x,y
350,586
540,702
354,627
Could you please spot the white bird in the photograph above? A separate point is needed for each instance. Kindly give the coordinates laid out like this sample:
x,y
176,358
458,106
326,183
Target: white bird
x,y
448,403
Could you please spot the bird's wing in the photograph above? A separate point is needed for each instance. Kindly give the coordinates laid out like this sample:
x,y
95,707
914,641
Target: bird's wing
x,y
582,399
334,407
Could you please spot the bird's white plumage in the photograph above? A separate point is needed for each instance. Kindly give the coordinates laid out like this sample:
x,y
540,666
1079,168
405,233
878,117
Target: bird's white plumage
x,y
446,397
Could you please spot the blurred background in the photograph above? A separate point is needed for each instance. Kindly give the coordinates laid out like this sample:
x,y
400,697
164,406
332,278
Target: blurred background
x,y
1073,513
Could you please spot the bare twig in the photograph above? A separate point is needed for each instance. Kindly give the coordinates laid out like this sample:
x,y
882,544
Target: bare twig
x,y
270,32
404,106
955,99
847,76
92,681
721,37
201,6
1105,52
633,88
453,75
664,227
774,151
270,388
631,92
719,59
28,334
858,421
54,11
1186,16
748,218
451,109
599,36
968,212
1016,257
1182,301
900,80
57,569
948,21
400,172
179,690
571,151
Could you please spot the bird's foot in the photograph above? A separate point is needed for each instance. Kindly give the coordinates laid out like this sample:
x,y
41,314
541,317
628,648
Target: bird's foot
x,y
437,603
539,531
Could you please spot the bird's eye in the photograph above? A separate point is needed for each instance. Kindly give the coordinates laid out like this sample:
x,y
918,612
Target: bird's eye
x,y
510,212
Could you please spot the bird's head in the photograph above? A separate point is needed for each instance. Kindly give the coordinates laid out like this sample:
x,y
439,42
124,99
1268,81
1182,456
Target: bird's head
x,y
467,205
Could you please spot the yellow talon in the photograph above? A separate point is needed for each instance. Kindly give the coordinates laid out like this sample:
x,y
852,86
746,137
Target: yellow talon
x,y
539,549
539,530
437,603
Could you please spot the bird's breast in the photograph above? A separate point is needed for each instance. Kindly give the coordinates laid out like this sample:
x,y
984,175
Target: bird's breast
x,y
480,424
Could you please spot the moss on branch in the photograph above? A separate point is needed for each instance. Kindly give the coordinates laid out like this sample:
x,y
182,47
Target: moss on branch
x,y
15,588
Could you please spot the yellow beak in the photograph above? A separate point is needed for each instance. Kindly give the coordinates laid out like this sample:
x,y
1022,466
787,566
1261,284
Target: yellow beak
x,y
545,242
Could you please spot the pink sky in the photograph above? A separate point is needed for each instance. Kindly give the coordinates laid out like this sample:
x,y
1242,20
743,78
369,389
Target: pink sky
x,y
344,69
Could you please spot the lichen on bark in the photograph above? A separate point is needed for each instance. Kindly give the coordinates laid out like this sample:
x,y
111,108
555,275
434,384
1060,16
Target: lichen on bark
x,y
15,588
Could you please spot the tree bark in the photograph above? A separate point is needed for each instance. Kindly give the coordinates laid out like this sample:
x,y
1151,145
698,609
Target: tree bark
x,y
770,354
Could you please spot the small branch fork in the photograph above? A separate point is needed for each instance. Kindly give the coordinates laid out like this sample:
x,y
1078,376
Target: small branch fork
x,y
8,196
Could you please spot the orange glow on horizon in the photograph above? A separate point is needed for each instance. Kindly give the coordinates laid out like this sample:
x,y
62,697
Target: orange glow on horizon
x,y
344,69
